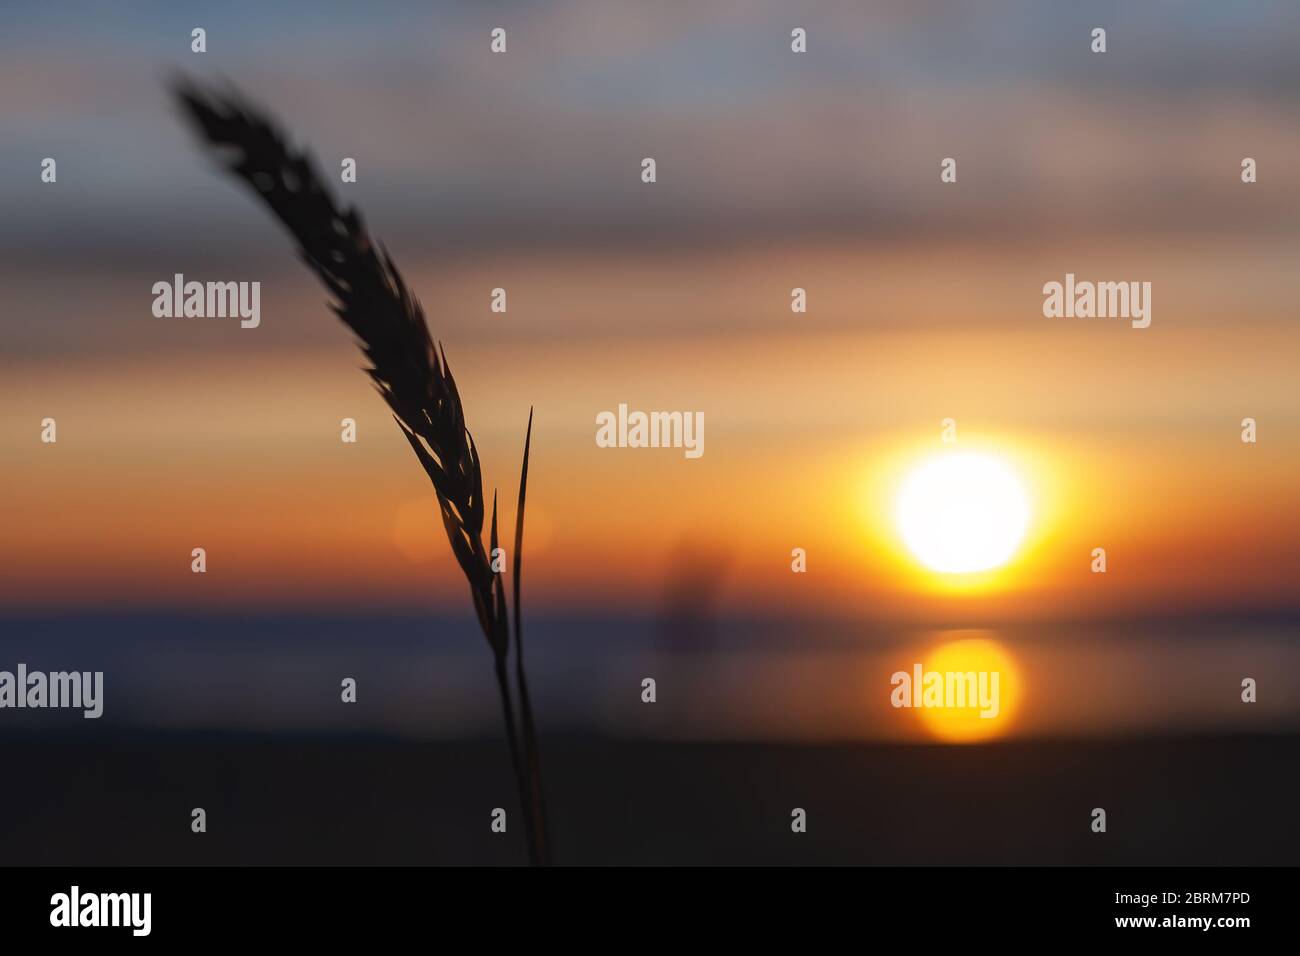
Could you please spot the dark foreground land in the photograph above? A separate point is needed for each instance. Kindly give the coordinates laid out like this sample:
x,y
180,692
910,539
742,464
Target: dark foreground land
x,y
127,799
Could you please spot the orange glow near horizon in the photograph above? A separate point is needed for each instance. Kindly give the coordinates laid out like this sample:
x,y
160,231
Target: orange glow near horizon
x,y
237,449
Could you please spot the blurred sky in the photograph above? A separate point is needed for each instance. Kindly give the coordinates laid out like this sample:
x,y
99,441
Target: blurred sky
x,y
775,170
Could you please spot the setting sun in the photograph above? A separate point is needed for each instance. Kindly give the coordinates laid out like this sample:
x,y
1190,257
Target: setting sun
x,y
962,512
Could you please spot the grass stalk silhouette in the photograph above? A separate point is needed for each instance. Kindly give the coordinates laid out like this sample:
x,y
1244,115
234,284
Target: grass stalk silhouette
x,y
410,372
